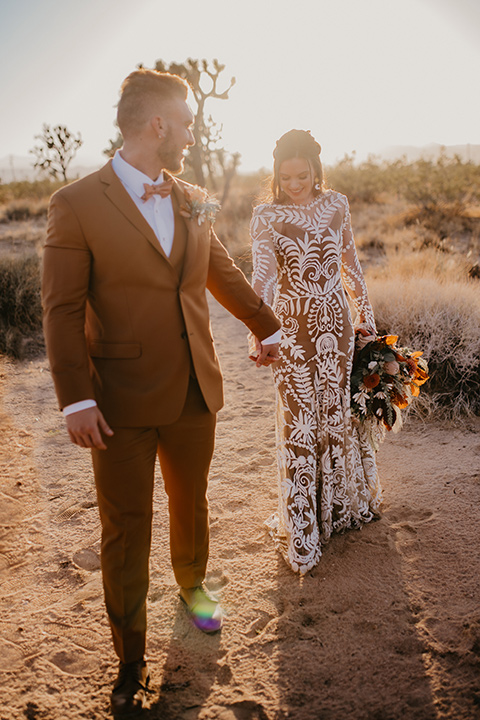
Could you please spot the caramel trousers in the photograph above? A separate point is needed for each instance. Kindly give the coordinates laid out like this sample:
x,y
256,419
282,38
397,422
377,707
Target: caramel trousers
x,y
124,477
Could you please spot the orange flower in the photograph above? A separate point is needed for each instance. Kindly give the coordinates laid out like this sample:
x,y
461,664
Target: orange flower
x,y
391,339
196,193
420,376
399,400
371,381
412,366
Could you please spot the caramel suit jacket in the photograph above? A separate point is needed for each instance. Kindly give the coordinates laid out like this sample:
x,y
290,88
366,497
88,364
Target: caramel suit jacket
x,y
122,324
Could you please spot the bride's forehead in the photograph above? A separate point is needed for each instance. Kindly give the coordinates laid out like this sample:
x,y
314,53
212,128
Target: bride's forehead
x,y
294,166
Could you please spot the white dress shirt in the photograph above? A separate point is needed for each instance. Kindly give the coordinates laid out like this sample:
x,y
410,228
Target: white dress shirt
x,y
158,212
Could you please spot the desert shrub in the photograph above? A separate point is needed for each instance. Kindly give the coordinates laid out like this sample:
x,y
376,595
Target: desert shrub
x,y
364,182
447,183
27,190
24,209
442,318
20,305
445,222
404,263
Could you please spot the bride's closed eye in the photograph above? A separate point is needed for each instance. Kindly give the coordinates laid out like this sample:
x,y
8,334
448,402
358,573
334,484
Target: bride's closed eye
x,y
285,178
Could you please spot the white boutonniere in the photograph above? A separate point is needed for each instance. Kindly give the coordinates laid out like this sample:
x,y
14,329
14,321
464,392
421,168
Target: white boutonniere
x,y
200,205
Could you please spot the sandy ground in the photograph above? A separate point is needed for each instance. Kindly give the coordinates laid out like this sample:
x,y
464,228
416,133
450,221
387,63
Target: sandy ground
x,y
387,627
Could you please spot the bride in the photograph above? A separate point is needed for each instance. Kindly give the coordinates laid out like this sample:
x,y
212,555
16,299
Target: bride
x,y
304,264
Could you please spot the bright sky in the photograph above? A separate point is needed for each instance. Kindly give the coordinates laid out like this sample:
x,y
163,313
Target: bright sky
x,y
362,75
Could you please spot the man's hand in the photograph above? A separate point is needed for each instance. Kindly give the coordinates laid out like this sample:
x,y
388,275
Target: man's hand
x,y
266,354
85,428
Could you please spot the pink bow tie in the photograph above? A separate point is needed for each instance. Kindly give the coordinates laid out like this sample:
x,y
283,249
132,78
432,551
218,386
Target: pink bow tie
x,y
164,189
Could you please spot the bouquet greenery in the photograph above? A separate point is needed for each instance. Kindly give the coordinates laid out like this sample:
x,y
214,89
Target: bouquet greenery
x,y
385,379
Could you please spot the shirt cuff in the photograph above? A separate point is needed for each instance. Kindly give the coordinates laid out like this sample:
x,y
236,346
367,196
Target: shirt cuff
x,y
76,407
273,339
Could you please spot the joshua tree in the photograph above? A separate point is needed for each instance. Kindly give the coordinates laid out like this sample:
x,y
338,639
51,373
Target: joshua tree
x,y
56,149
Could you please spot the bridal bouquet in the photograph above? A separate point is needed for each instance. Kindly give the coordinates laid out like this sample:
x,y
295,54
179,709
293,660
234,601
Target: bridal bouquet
x,y
384,380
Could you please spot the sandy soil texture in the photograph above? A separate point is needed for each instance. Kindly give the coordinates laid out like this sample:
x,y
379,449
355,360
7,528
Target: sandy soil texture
x,y
387,627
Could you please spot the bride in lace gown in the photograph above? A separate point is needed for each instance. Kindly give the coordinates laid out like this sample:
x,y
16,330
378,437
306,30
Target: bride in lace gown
x,y
305,263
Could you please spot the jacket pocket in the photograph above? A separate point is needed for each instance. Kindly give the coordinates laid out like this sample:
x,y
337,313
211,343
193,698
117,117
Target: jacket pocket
x,y
100,349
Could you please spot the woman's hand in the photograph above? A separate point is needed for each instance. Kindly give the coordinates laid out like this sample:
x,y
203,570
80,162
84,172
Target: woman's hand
x,y
364,335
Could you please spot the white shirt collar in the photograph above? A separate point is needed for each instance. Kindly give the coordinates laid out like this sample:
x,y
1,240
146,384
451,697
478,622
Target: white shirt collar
x,y
131,177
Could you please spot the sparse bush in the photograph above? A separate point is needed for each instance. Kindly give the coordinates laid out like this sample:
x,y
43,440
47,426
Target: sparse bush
x,y
441,318
27,190
446,183
23,209
364,183
20,305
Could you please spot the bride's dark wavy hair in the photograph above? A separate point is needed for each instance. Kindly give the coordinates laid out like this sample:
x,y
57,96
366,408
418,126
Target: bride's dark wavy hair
x,y
297,144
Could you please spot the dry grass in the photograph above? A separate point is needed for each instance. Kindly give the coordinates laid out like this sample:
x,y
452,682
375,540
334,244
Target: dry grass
x,y
24,237
20,306
23,209
441,317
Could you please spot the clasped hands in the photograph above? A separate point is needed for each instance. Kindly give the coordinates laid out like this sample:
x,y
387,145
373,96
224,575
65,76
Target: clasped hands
x,y
266,354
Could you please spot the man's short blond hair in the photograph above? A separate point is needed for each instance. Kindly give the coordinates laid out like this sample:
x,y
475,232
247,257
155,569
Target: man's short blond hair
x,y
141,94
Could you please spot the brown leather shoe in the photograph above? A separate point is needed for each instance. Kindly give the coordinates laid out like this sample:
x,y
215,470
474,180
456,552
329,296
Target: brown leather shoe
x,y
130,689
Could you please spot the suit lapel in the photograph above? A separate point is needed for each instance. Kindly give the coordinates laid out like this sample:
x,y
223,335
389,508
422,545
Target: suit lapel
x,y
193,229
117,194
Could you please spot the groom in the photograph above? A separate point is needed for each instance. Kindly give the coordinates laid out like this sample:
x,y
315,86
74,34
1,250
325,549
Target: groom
x,y
125,268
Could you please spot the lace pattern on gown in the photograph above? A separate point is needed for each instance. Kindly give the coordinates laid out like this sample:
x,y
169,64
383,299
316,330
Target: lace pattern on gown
x,y
305,262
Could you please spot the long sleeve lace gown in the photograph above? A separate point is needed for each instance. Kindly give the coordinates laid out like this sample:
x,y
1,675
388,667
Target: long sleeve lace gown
x,y
305,262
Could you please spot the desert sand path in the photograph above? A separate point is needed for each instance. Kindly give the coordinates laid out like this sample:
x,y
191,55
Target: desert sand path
x,y
387,627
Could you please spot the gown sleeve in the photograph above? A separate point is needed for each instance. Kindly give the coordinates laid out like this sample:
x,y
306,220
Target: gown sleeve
x,y
264,275
264,278
352,276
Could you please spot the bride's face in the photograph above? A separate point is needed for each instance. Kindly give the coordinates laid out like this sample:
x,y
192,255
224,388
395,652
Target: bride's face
x,y
296,180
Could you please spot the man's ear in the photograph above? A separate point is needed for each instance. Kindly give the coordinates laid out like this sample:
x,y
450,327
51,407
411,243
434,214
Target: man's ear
x,y
159,126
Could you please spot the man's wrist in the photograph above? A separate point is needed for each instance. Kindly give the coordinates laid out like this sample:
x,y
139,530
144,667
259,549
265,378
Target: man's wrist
x,y
274,339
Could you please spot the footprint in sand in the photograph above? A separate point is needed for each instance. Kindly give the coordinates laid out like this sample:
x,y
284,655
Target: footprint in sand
x,y
253,547
80,637
69,509
87,559
409,516
258,625
74,662
241,710
246,451
11,656
10,509
216,580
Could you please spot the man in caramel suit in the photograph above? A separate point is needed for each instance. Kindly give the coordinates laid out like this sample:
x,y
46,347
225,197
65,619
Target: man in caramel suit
x,y
126,265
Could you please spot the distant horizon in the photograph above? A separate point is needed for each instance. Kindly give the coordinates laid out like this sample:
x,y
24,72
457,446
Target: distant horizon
x,y
23,164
